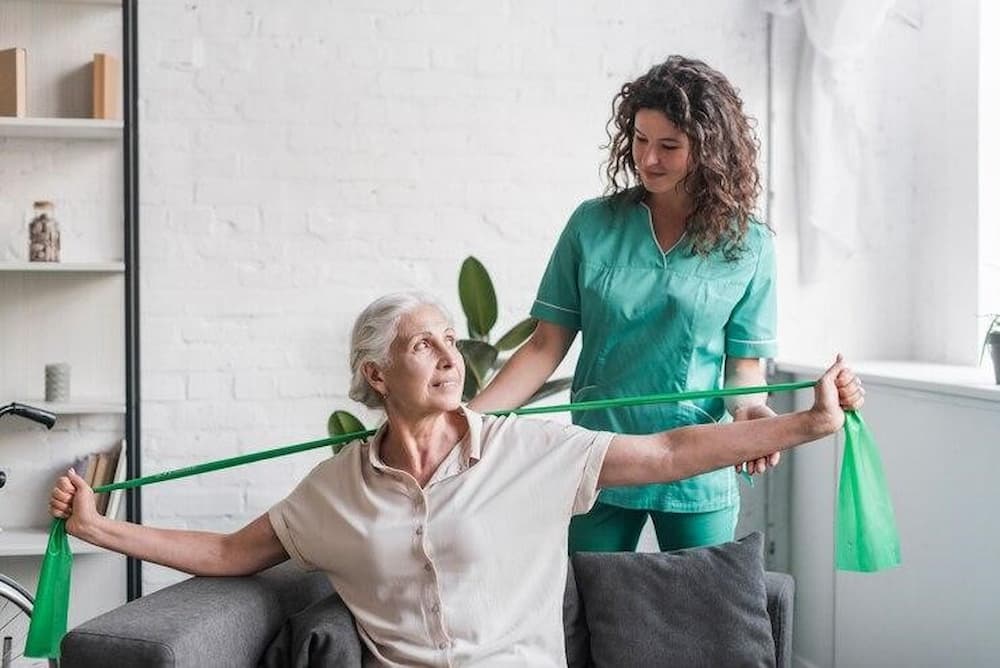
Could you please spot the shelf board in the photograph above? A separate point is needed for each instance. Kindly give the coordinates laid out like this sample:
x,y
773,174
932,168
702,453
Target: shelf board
x,y
29,542
78,407
61,128
111,3
65,267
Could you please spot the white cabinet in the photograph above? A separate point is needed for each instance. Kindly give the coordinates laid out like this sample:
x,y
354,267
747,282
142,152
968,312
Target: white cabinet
x,y
937,429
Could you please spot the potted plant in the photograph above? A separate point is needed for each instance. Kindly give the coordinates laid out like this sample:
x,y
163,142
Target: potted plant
x,y
991,340
483,357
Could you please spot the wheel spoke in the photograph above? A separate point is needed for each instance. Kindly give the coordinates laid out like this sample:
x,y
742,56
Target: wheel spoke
x,y
15,618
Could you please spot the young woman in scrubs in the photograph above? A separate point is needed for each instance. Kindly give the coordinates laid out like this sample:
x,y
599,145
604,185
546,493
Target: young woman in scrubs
x,y
671,282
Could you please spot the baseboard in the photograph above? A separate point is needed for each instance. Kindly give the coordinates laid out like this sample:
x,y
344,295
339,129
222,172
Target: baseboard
x,y
799,662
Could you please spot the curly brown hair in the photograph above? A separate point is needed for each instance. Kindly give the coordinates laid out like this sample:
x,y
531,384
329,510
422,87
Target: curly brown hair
x,y
724,183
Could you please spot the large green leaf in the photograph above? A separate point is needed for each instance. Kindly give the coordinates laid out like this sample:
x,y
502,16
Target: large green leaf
x,y
479,358
472,385
549,388
517,335
479,300
340,423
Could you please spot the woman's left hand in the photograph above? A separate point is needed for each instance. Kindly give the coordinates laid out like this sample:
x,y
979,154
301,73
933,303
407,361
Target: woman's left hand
x,y
754,412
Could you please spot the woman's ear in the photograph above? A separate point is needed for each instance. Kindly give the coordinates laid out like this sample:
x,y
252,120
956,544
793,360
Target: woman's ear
x,y
375,377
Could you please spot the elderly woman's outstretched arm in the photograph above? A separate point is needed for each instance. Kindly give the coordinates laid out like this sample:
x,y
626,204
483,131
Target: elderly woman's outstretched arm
x,y
682,453
251,549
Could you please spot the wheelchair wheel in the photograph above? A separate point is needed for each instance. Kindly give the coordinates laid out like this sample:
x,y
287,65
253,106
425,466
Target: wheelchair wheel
x,y
15,614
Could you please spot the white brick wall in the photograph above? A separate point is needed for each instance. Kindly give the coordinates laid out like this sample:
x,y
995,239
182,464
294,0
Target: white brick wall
x,y
301,158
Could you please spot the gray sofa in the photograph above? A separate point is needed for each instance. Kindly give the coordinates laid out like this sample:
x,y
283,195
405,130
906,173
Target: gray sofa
x,y
248,621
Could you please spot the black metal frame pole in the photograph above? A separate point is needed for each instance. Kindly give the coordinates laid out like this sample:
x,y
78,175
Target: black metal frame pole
x,y
130,147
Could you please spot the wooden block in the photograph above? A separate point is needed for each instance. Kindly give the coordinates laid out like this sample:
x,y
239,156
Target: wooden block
x,y
107,86
13,83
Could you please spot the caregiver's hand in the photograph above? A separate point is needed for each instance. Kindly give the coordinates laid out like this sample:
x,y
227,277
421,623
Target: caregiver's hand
x,y
73,500
754,412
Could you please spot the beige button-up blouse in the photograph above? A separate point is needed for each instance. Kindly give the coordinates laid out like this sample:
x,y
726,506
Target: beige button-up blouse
x,y
469,570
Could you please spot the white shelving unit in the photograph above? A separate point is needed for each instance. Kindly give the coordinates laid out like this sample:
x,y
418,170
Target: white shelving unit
x,y
33,542
112,3
61,128
74,311
65,267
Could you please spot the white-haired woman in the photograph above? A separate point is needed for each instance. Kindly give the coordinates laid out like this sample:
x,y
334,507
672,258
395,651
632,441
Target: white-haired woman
x,y
445,534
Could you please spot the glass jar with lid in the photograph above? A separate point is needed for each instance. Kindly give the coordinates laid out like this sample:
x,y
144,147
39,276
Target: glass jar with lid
x,y
43,231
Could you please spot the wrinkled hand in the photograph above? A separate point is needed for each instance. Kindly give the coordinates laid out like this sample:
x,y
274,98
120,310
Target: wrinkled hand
x,y
755,412
849,391
837,390
73,500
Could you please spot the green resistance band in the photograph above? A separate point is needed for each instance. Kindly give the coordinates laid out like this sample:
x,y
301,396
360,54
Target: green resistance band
x,y
535,410
866,538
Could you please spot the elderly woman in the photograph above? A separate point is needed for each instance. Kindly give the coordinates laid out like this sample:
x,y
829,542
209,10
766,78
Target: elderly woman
x,y
445,534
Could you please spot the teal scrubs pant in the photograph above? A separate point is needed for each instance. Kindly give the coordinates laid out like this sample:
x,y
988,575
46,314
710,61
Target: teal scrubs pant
x,y
608,528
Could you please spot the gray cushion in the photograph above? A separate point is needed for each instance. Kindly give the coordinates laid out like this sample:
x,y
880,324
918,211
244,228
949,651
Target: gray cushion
x,y
194,622
698,607
322,635
780,604
574,625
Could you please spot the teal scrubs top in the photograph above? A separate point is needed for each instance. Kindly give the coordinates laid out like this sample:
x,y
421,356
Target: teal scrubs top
x,y
655,321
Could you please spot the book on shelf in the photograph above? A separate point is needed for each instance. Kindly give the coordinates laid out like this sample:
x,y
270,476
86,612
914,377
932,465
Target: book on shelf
x,y
101,477
13,86
115,497
102,468
86,467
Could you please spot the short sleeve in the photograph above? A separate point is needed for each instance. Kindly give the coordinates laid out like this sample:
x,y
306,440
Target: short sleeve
x,y
586,490
573,457
558,299
292,516
752,327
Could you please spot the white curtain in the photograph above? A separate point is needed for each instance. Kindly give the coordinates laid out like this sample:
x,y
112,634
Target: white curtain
x,y
829,155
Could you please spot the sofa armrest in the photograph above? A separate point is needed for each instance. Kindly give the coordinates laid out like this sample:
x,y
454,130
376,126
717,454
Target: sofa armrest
x,y
780,605
201,621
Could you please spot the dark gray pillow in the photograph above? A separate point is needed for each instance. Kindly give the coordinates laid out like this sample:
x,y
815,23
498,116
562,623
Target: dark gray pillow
x,y
574,625
698,607
322,635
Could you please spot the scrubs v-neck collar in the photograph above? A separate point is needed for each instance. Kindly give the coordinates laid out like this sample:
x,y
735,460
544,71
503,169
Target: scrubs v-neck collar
x,y
664,254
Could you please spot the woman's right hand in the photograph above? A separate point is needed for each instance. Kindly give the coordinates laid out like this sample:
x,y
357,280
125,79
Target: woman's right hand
x,y
73,500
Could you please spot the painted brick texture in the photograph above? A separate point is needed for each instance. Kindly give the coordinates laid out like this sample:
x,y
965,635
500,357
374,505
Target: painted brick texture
x,y
301,158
